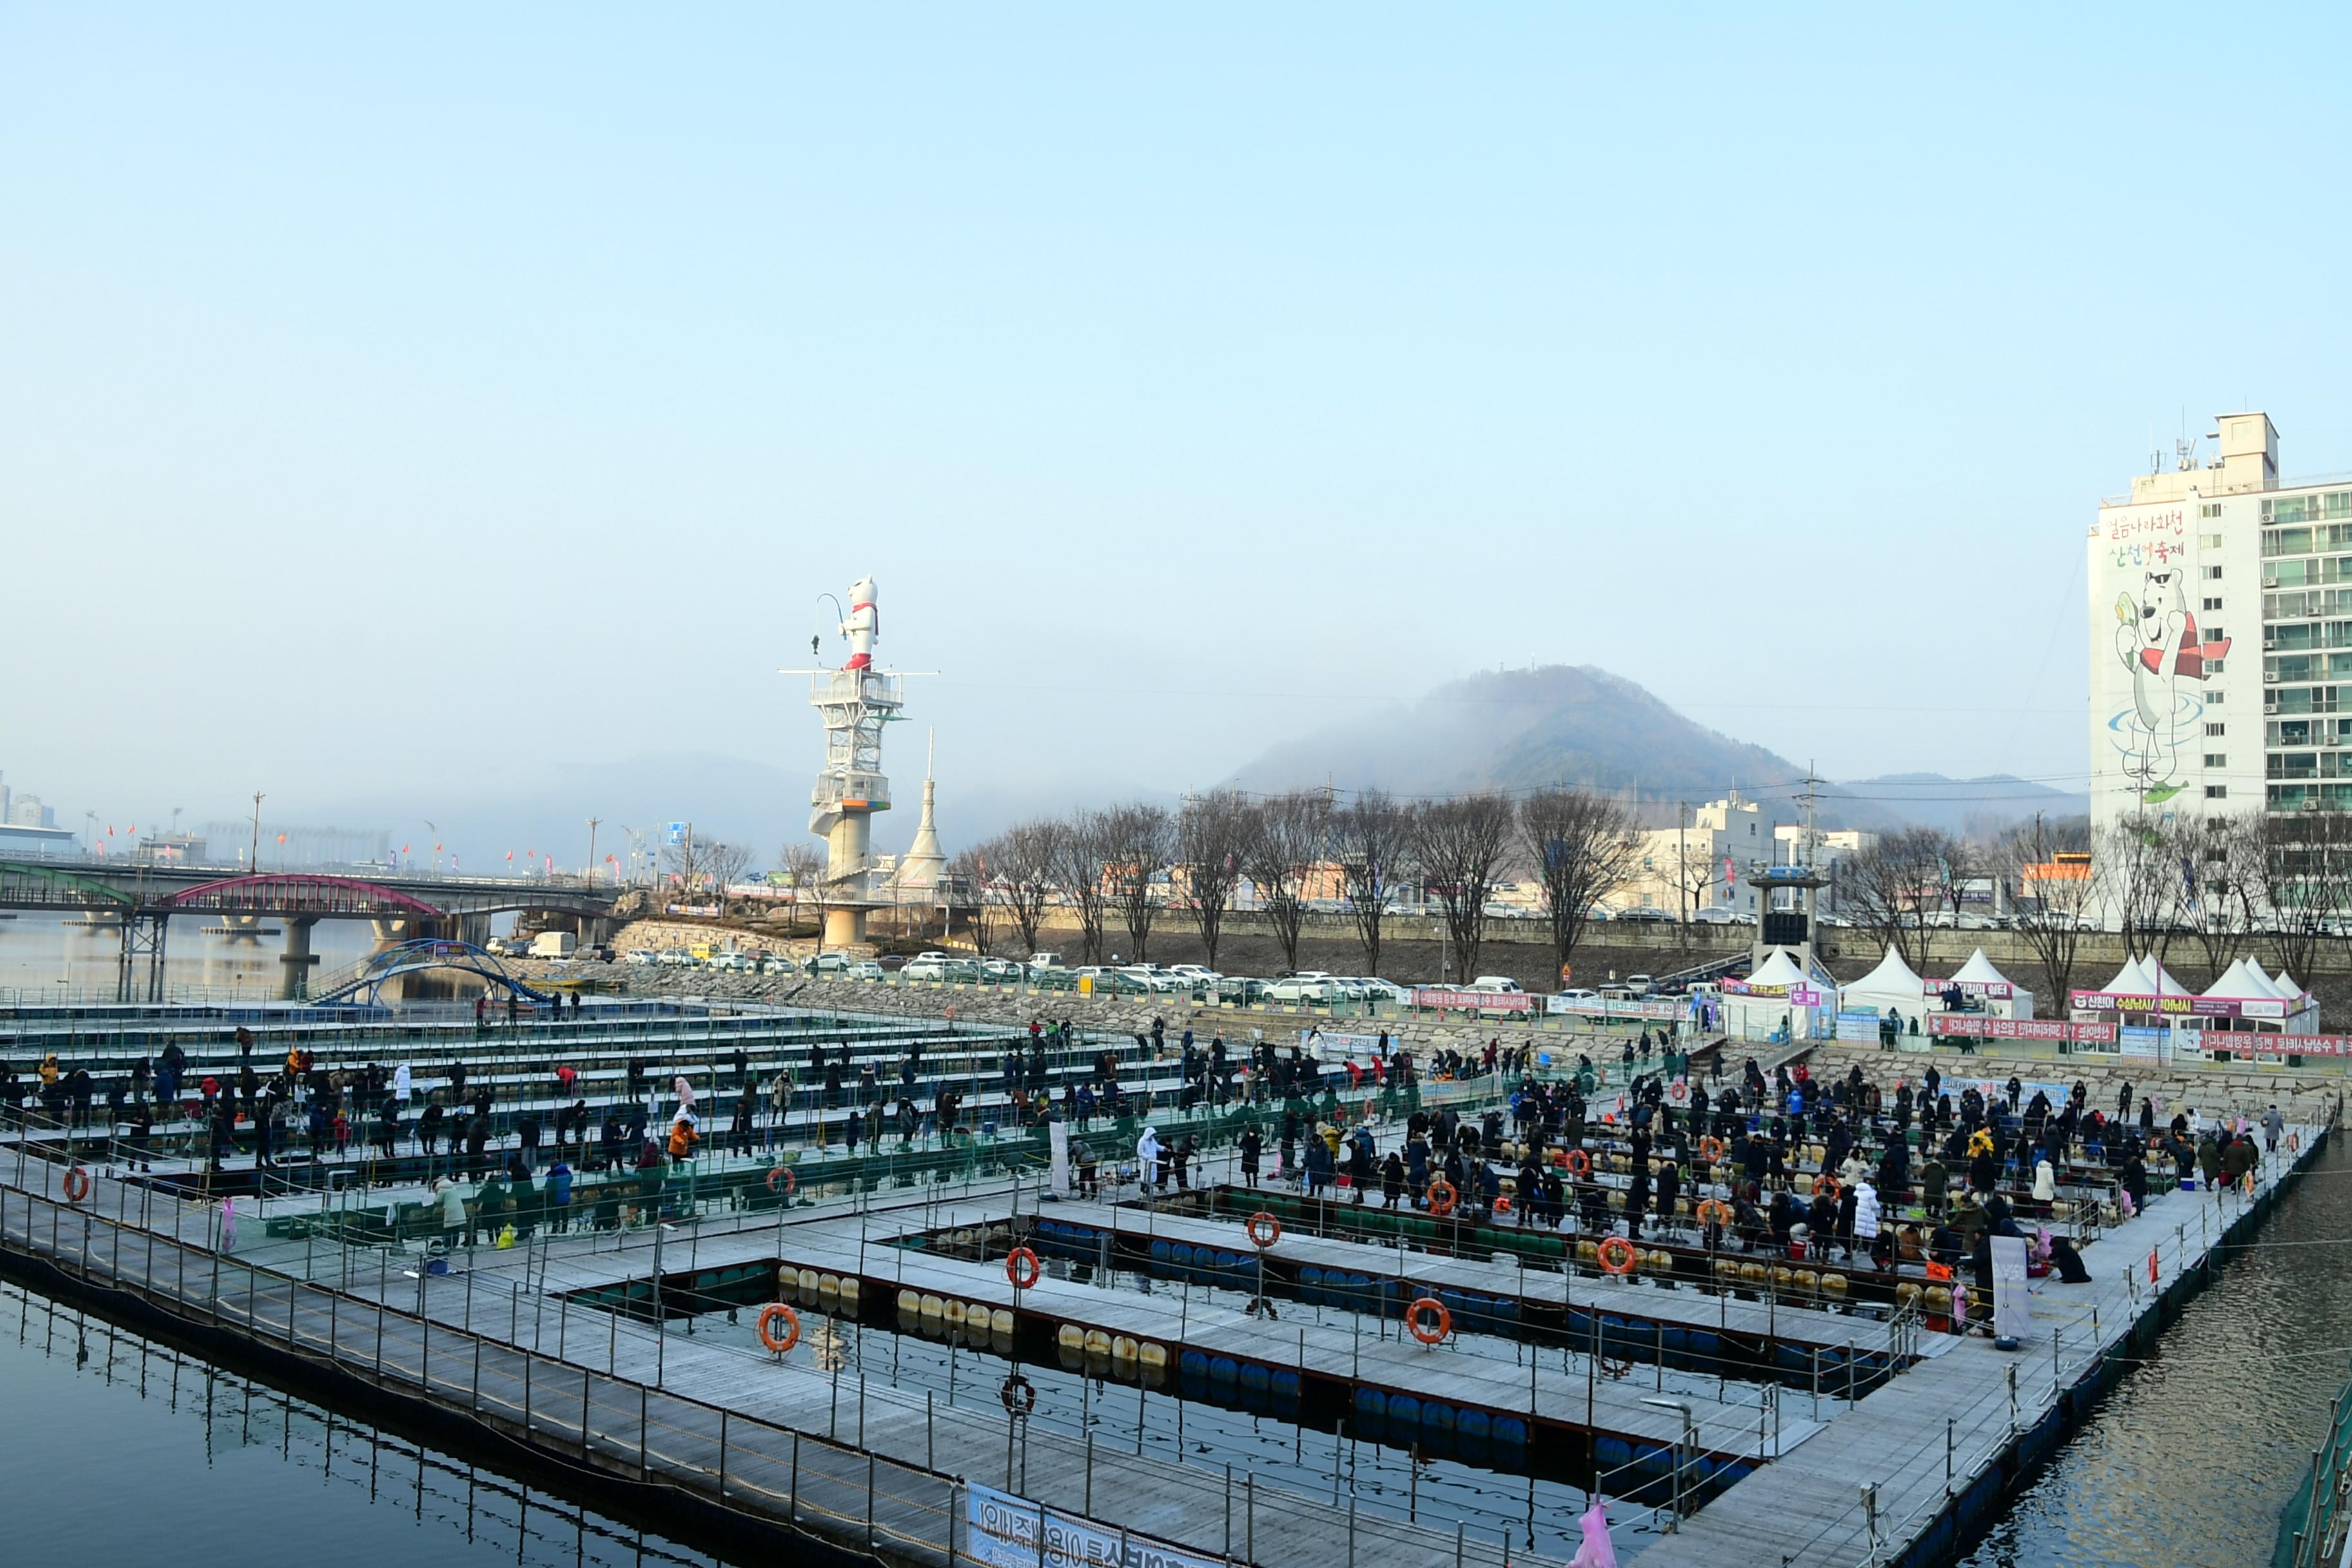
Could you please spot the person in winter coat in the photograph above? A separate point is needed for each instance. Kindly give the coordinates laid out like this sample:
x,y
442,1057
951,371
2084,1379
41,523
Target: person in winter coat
x,y
1865,1212
1393,1179
1147,1157
2045,1182
1253,1148
2209,1159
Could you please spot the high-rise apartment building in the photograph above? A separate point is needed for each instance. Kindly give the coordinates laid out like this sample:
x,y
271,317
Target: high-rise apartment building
x,y
2221,638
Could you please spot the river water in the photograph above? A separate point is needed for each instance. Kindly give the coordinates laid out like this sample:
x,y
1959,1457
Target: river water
x,y
120,1450
43,959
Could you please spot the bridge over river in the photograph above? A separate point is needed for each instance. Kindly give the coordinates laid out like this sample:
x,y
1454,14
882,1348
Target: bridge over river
x,y
141,899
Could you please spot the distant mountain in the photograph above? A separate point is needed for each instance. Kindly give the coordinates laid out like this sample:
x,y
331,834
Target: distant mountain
x,y
1977,806
1518,729
1515,729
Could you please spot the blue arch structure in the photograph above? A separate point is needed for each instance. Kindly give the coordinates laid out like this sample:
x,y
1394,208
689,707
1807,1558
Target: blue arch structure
x,y
424,953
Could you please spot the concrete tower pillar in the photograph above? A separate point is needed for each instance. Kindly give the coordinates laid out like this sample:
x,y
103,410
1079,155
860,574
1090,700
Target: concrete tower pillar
x,y
298,958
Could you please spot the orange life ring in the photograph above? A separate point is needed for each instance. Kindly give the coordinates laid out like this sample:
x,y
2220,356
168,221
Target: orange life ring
x,y
1829,1182
1265,1230
1442,1206
1428,1332
767,1315
1710,1149
77,1185
1678,1089
790,1181
1714,1211
1021,1268
1019,1395
1617,1256
1580,1163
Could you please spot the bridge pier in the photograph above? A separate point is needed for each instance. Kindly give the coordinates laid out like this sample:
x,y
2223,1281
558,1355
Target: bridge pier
x,y
399,928
298,959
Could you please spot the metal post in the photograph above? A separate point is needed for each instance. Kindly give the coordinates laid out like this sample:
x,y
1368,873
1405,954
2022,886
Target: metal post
x,y
722,1453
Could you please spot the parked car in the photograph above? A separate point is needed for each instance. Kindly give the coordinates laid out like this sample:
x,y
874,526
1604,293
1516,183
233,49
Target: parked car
x,y
825,964
1046,961
926,966
1503,983
677,958
1378,990
597,952
1715,915
734,963
1580,998
893,961
1199,977
1645,914
1640,985
1000,971
641,957
1240,990
1315,988
864,969
963,971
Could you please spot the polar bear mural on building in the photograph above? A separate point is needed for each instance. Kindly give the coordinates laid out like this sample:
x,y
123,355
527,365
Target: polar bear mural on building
x,y
2158,641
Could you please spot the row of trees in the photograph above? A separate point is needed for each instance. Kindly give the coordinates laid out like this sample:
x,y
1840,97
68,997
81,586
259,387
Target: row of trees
x,y
1128,867
2212,883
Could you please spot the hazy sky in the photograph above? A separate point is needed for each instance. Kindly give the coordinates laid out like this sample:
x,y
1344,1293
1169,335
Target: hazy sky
x,y
408,404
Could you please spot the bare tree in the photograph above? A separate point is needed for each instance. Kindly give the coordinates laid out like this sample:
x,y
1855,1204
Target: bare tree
x,y
1896,886
804,863
1137,841
724,863
1213,836
1294,834
965,887
2145,884
2212,859
2054,899
1080,867
1581,845
1022,863
2299,866
1460,844
688,863
1372,841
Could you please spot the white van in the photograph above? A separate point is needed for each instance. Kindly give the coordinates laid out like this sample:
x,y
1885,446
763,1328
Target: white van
x,y
553,945
1503,983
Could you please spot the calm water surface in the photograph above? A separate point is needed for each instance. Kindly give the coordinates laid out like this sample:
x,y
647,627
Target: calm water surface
x,y
122,1451
2190,1458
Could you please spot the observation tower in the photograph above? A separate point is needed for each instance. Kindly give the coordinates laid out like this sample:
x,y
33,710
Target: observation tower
x,y
854,702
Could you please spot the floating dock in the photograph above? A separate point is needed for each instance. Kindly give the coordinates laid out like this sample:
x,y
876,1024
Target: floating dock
x,y
1668,1391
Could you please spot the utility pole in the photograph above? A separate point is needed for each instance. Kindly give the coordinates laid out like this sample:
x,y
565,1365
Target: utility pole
x,y
1681,857
592,849
253,866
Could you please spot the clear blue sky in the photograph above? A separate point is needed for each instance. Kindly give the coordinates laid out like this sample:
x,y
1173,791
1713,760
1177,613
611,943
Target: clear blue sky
x,y
1185,374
